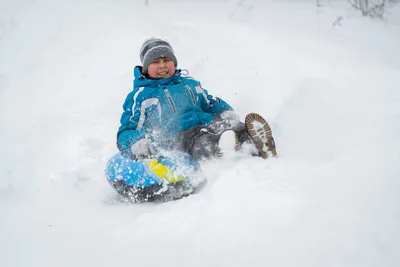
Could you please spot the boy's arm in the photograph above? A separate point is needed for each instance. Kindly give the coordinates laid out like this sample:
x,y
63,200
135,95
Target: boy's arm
x,y
213,105
129,132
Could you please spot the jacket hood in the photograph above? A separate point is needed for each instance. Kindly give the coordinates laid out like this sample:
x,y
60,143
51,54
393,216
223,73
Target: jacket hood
x,y
142,80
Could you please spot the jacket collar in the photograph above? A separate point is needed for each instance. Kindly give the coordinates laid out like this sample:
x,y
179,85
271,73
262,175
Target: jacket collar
x,y
142,80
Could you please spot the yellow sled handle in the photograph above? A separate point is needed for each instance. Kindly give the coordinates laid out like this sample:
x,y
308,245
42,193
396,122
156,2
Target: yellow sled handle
x,y
164,172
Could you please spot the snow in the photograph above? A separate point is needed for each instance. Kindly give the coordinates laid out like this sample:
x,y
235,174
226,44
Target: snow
x,y
331,94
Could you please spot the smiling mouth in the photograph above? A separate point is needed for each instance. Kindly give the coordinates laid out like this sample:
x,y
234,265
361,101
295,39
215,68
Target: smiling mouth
x,y
163,73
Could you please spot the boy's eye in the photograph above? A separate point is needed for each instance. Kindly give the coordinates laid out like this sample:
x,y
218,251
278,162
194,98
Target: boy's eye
x,y
167,59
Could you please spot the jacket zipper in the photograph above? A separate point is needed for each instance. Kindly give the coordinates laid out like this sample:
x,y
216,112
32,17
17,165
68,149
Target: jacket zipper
x,y
170,99
191,94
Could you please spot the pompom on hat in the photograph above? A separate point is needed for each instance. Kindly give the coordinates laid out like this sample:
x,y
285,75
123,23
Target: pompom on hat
x,y
153,49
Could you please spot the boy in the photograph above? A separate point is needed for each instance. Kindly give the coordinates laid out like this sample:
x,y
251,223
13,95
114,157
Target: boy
x,y
166,111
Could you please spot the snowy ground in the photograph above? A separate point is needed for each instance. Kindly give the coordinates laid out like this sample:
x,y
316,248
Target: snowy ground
x,y
331,94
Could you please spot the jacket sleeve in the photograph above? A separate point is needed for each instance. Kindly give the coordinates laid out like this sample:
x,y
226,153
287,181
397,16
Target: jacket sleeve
x,y
210,104
129,132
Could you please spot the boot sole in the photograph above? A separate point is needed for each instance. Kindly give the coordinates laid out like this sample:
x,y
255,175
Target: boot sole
x,y
261,134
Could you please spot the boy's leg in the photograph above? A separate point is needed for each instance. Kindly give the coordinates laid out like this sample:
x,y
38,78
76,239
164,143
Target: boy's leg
x,y
255,130
202,141
241,136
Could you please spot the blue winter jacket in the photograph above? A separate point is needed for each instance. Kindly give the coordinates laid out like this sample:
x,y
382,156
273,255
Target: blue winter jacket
x,y
162,107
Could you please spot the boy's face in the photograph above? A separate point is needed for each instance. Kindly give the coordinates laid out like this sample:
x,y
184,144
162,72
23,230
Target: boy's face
x,y
161,68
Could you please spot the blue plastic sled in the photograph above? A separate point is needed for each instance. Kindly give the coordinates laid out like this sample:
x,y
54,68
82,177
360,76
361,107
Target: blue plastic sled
x,y
159,179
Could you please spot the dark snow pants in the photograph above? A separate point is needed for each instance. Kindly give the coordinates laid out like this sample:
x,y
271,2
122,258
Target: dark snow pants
x,y
202,141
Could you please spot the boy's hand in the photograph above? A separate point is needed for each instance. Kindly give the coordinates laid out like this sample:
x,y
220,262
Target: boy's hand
x,y
143,148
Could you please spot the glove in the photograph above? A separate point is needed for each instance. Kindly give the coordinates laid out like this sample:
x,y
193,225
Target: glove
x,y
143,148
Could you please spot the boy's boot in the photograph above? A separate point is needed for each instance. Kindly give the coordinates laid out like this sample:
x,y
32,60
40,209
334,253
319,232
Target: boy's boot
x,y
261,135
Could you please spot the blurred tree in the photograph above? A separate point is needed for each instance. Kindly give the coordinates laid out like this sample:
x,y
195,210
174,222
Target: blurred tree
x,y
372,8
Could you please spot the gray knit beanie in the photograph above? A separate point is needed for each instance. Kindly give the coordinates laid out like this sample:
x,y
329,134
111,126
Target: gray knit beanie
x,y
153,49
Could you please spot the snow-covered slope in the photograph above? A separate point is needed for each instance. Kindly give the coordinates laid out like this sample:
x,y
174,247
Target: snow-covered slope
x,y
331,94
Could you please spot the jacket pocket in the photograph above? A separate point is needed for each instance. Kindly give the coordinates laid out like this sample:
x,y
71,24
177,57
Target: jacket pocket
x,y
191,94
171,102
